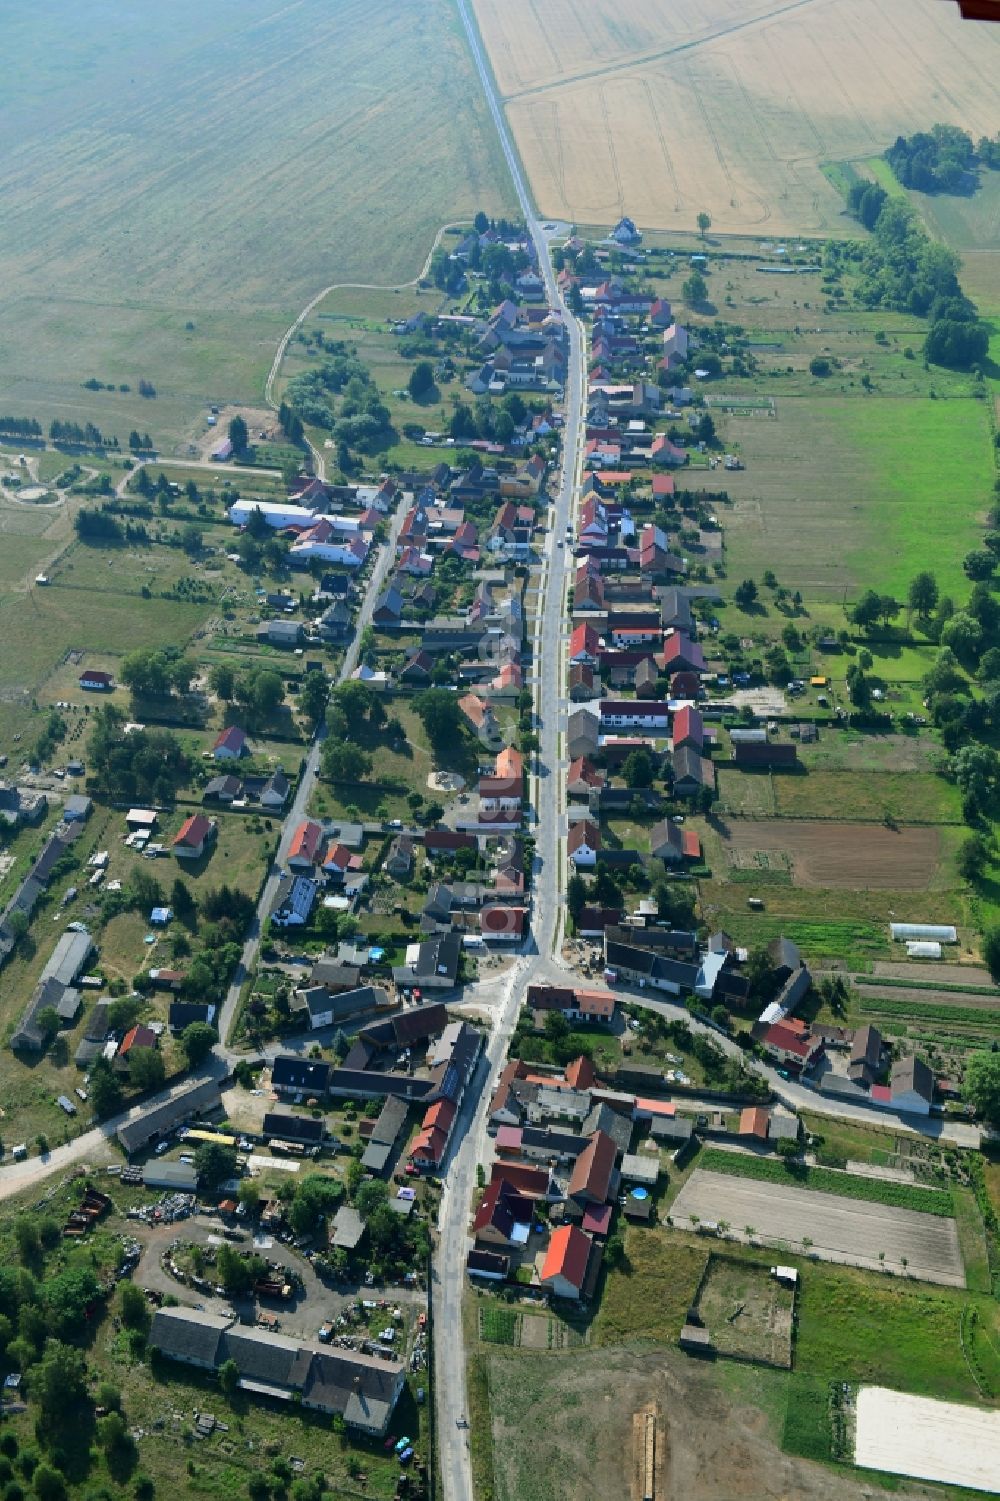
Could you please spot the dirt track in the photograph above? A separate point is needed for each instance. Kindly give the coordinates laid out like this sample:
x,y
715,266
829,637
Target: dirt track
x,y
854,856
849,1231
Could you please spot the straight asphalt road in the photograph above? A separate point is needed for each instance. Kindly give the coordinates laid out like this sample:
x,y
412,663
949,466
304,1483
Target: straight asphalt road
x,y
537,963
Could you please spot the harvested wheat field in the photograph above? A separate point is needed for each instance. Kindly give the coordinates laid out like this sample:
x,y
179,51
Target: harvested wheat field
x,y
659,111
854,856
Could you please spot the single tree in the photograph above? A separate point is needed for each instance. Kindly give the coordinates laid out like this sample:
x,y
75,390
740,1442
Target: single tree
x,y
981,1085
239,435
922,596
704,223
198,1039
695,289
421,382
229,1377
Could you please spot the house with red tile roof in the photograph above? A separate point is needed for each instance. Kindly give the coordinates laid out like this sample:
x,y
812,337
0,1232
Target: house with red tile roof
x,y
580,1073
564,1269
664,451
584,644
509,762
592,1178
792,1041
682,655
583,778
192,836
663,486
337,859
753,1122
305,845
688,729
588,591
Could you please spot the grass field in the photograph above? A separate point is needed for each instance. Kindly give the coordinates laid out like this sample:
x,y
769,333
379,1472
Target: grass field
x,y
881,519
730,107
178,183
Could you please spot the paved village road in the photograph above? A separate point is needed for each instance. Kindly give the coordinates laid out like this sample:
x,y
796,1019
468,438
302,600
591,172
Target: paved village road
x,y
536,963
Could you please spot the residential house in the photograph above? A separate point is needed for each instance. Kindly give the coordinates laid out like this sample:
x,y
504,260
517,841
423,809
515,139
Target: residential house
x,y
584,645
504,1218
593,1178
791,1041
274,793
399,861
181,1014
96,682
417,668
688,729
430,965
583,683
388,607
294,902
911,1085
194,834
691,772
582,779
869,1056
291,1075
305,845
667,842
681,654
479,715
648,715
583,844
675,346
564,1270
663,451
230,744
284,633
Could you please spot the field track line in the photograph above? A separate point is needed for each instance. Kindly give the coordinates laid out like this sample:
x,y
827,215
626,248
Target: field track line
x,y
659,54
344,286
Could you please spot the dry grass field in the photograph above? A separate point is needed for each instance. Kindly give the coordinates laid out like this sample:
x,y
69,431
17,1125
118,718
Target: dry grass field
x,y
178,180
843,854
631,106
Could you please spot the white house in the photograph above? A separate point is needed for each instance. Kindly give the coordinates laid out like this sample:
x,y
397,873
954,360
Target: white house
x,y
583,843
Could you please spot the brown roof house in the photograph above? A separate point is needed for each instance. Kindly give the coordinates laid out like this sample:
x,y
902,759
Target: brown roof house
x,y
583,843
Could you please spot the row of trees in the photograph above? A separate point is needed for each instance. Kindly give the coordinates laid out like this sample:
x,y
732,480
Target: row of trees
x,y
20,427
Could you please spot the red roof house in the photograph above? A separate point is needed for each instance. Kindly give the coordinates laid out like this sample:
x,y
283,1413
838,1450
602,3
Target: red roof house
x,y
192,836
565,1267
305,844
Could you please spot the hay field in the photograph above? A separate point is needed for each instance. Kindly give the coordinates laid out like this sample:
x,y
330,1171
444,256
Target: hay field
x,y
630,106
215,166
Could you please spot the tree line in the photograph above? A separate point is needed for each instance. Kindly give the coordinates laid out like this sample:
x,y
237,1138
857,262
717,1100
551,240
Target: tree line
x,y
902,269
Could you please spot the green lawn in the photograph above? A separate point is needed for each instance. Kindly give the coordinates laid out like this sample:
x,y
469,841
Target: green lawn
x,y
843,493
